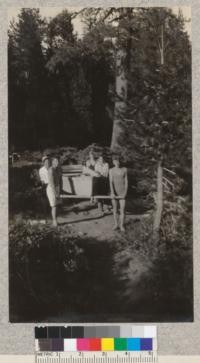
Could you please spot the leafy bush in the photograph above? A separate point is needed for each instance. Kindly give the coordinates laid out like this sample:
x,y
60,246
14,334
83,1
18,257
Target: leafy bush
x,y
163,271
44,265
20,178
25,192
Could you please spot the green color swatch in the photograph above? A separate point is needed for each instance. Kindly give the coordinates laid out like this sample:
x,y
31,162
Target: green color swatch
x,y
120,343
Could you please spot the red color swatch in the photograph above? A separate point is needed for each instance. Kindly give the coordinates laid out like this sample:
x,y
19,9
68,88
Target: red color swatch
x,y
95,344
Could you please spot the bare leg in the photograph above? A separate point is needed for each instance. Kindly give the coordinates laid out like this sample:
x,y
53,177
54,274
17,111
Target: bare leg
x,y
114,203
53,212
100,206
122,203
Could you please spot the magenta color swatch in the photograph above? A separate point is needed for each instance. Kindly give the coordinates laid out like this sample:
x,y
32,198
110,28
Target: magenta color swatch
x,y
83,344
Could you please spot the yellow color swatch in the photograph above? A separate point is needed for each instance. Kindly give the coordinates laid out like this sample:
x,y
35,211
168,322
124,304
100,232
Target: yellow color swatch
x,y
107,344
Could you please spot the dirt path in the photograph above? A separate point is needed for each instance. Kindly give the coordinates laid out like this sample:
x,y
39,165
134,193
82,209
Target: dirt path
x,y
86,220
122,280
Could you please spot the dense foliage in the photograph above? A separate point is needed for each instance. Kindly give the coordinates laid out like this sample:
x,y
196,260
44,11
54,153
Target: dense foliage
x,y
44,263
62,88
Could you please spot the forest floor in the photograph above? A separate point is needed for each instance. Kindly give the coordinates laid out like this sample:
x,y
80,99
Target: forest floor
x,y
127,277
86,220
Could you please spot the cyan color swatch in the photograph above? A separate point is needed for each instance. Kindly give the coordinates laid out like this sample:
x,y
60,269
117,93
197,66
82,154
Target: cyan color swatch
x,y
133,344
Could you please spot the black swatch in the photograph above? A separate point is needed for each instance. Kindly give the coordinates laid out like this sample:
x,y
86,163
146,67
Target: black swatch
x,y
53,332
40,332
66,332
77,332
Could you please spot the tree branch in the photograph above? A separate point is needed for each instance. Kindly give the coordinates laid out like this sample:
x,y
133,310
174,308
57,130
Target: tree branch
x,y
168,181
169,171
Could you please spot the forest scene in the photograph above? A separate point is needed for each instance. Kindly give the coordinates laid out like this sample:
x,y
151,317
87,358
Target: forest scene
x,y
120,86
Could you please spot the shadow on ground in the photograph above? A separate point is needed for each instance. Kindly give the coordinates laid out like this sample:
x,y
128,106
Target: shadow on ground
x,y
116,280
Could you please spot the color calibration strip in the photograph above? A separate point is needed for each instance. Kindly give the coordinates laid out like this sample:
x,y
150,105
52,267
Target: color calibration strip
x,y
94,344
101,339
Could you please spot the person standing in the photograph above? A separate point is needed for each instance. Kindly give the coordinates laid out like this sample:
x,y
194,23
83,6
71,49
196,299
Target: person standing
x,y
57,177
89,169
91,161
46,177
102,168
118,186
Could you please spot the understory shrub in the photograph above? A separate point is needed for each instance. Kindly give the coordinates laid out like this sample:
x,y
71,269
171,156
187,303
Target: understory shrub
x,y
45,264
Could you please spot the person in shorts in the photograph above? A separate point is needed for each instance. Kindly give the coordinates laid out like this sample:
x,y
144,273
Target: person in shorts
x,y
118,186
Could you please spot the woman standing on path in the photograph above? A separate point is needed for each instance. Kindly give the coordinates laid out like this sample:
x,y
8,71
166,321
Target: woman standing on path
x,y
118,187
46,176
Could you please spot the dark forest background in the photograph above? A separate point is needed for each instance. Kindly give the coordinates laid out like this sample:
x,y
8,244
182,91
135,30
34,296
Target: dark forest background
x,y
62,88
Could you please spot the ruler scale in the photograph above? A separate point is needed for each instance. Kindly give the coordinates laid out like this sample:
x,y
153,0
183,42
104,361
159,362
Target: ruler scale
x,y
104,344
62,357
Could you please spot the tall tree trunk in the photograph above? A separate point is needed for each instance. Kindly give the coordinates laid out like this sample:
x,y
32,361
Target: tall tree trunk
x,y
123,59
162,45
121,95
159,204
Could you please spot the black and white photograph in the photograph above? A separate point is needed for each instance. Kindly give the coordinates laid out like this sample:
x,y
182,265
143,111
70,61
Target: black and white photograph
x,y
100,164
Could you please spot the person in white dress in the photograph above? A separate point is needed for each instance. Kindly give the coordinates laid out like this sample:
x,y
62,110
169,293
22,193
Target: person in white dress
x,y
47,179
